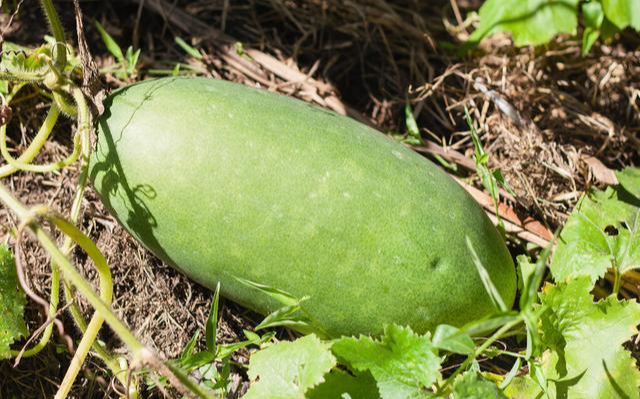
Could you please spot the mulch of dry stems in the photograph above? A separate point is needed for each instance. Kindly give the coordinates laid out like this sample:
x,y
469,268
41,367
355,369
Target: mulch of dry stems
x,y
367,58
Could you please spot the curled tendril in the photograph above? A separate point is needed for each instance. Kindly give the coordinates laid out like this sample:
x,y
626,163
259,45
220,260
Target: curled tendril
x,y
34,147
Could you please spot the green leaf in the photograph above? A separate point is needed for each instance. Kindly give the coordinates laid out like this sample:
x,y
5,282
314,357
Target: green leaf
x,y
623,13
608,29
509,377
586,358
287,316
289,369
525,271
176,70
338,383
629,179
132,60
111,44
453,339
194,361
523,388
187,352
589,38
281,296
212,321
472,386
489,323
227,350
593,16
192,51
403,363
531,279
531,22
12,302
22,61
412,125
491,289
602,232
489,179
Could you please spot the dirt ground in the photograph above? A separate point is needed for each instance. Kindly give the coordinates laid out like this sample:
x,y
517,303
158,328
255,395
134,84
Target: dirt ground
x,y
554,122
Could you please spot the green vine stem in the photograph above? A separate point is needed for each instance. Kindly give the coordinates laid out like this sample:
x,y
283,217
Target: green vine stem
x,y
29,154
82,147
23,162
89,331
54,301
84,132
106,294
18,165
34,147
617,280
64,105
58,33
38,141
496,336
20,75
25,215
141,355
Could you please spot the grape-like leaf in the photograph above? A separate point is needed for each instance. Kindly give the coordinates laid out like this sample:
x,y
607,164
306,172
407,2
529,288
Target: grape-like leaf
x,y
522,388
12,301
525,270
586,358
287,370
453,339
623,13
338,384
531,22
629,179
111,44
602,232
472,386
403,363
593,16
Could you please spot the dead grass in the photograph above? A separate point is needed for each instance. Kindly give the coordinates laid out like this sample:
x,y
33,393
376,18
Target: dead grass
x,y
558,111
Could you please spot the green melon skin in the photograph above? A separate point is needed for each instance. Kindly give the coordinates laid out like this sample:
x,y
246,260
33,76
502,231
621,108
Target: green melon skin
x,y
223,181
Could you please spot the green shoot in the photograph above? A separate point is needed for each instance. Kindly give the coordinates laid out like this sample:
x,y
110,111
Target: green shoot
x,y
126,64
490,179
538,22
212,322
192,51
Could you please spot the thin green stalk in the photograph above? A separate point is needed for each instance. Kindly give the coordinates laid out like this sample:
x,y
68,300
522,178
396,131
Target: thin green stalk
x,y
54,301
73,275
141,355
58,33
83,127
17,164
79,139
106,294
36,144
22,76
497,335
64,105
29,154
617,280
76,207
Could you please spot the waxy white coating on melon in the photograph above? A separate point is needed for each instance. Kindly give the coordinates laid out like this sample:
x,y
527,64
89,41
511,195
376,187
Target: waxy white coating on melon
x,y
221,181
